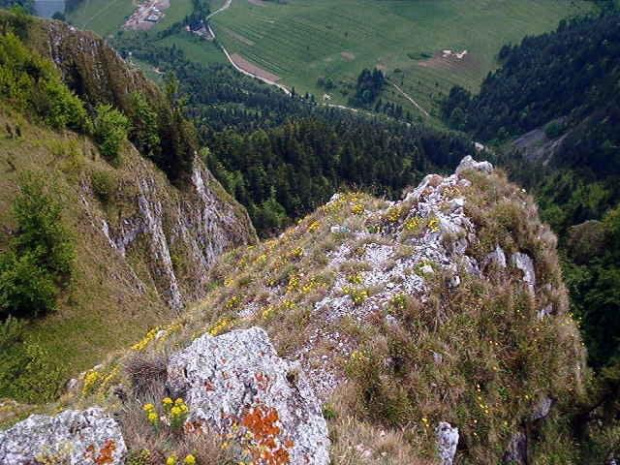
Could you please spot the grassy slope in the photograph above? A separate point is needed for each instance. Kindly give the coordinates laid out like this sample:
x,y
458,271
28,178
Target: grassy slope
x,y
102,310
303,40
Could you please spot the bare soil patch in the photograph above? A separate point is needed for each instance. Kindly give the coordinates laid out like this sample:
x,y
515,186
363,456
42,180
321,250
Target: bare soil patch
x,y
251,68
147,14
450,60
257,2
347,56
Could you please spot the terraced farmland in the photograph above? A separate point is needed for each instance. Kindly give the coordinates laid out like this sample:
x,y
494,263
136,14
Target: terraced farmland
x,y
303,40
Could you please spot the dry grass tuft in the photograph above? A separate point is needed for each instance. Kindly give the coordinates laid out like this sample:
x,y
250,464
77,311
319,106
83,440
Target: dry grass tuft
x,y
147,373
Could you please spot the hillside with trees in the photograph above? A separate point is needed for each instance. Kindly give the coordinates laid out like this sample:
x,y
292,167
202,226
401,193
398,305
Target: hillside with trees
x,y
565,85
283,156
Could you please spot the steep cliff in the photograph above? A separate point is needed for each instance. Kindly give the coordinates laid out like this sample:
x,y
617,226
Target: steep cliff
x,y
145,238
429,330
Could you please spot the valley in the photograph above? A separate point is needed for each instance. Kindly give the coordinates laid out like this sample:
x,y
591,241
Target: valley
x,y
365,232
301,41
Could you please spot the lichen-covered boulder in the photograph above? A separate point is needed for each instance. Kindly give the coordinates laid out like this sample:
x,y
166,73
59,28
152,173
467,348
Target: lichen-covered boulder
x,y
72,437
447,441
237,384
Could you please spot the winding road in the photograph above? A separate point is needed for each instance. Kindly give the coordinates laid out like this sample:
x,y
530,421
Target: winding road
x,y
226,6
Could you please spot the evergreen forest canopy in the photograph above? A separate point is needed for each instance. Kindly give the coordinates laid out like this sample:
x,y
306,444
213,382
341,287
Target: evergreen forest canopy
x,y
283,156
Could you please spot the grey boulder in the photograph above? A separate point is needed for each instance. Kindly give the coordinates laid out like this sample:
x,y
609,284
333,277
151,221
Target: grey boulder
x,y
72,437
236,381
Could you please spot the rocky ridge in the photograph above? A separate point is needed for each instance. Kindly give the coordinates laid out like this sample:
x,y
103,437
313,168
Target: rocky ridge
x,y
431,315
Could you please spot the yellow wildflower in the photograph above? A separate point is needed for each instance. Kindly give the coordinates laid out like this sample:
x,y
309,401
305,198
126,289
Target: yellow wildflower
x,y
433,224
90,380
189,460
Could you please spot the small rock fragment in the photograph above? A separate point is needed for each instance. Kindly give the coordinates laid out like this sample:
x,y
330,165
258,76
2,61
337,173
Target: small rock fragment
x,y
447,440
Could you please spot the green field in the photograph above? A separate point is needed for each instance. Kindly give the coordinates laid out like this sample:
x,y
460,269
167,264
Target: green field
x,y
302,40
195,49
104,17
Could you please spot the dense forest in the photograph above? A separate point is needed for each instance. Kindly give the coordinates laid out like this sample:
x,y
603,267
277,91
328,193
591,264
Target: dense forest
x,y
282,156
565,84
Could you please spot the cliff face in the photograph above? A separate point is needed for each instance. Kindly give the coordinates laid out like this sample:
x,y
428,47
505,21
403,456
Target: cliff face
x,y
90,68
430,330
181,233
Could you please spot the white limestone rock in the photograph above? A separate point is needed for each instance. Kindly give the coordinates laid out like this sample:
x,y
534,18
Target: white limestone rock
x,y
524,263
230,378
468,163
496,258
72,437
447,441
542,408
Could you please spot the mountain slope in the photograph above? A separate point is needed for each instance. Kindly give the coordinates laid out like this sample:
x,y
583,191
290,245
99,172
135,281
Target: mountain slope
x,y
441,315
143,245
558,95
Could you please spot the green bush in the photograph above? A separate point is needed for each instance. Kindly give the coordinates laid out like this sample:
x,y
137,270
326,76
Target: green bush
x,y
111,129
41,231
104,185
144,131
40,259
26,289
554,129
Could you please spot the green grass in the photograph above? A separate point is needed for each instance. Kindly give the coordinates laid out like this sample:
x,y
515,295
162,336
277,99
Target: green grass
x,y
104,17
196,49
178,10
303,40
101,310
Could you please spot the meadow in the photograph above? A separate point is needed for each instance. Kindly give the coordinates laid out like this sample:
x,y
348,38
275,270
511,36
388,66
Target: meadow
x,y
303,40
104,17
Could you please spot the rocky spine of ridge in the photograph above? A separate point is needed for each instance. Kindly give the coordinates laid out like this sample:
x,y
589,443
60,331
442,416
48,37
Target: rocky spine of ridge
x,y
468,248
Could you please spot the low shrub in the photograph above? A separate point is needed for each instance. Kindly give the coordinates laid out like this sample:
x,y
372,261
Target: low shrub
x,y
111,130
104,185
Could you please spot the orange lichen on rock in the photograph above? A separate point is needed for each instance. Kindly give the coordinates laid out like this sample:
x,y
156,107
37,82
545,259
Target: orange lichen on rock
x,y
105,455
263,425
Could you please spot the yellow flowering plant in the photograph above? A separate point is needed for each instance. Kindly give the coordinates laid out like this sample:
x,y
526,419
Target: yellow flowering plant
x,y
91,379
177,414
151,415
